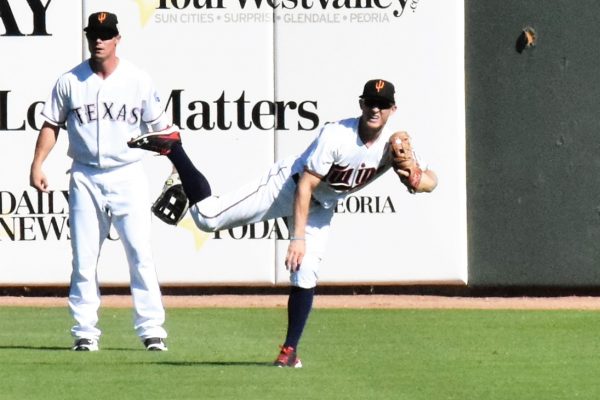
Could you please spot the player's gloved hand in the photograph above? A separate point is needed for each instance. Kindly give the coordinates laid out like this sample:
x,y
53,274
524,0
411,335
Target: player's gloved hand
x,y
404,161
172,204
295,254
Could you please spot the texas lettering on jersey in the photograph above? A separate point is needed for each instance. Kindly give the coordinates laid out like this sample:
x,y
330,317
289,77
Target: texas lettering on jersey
x,y
107,111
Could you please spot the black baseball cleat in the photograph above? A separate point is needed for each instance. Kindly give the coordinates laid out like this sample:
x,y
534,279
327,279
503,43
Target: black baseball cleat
x,y
83,344
155,344
159,142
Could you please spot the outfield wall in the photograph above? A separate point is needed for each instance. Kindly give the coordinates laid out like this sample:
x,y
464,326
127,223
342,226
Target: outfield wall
x,y
248,82
533,162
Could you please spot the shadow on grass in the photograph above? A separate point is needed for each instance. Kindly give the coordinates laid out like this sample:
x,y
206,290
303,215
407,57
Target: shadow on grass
x,y
24,347
166,363
213,363
28,347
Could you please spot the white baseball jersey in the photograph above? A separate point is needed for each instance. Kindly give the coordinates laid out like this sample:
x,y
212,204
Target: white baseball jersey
x,y
101,115
343,161
337,155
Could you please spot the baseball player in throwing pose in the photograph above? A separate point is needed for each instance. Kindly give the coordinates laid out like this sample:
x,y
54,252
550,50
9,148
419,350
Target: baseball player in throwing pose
x,y
345,157
101,103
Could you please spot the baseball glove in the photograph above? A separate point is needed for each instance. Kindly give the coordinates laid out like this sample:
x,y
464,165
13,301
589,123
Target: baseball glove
x,y
404,161
172,204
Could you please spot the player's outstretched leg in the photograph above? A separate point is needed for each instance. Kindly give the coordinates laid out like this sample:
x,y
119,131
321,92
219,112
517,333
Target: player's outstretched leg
x,y
168,143
195,185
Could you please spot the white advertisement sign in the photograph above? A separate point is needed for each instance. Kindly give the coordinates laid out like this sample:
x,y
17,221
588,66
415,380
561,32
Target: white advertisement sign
x,y
248,82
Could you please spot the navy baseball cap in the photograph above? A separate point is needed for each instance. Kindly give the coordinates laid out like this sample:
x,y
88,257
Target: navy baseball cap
x,y
102,21
379,89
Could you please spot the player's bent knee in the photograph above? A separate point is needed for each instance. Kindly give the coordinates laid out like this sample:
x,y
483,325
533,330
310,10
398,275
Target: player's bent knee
x,y
207,214
203,223
304,278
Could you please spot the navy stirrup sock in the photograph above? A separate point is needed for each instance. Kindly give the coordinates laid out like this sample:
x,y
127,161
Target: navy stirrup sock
x,y
299,306
195,185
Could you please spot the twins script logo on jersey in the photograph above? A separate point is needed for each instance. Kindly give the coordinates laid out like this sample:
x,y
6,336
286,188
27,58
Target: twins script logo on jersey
x,y
343,179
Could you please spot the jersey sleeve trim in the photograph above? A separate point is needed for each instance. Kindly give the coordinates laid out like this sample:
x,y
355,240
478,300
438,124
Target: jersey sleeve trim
x,y
53,122
155,120
313,173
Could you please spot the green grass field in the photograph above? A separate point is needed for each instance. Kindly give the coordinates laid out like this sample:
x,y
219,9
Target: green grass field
x,y
347,354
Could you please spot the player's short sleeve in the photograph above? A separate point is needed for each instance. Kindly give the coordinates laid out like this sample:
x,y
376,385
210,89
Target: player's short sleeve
x,y
56,108
324,152
152,105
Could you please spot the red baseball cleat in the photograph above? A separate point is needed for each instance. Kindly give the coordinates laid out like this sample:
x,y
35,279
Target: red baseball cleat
x,y
158,142
288,358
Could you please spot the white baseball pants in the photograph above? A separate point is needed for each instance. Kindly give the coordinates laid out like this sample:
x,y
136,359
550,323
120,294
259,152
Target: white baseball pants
x,y
97,198
269,197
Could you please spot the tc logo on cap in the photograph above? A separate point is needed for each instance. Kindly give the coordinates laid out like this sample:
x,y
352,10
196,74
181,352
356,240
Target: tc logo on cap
x,y
101,17
379,85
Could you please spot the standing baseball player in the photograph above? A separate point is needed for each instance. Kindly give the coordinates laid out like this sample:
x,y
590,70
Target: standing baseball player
x,y
101,103
345,157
